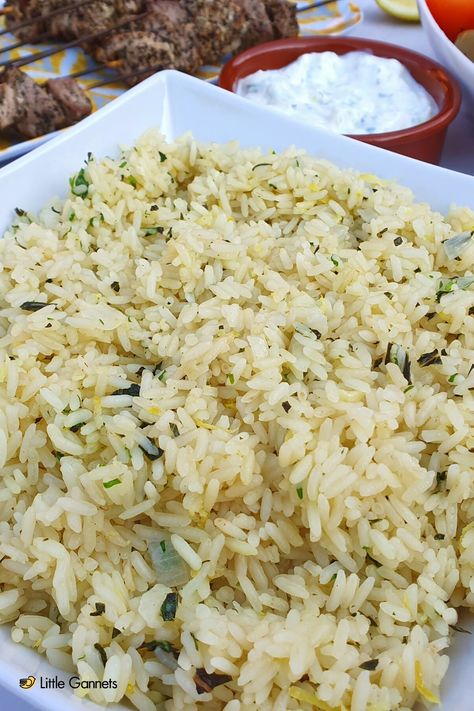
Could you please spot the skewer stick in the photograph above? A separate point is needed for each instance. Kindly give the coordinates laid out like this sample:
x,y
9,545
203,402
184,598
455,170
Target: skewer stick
x,y
47,16
314,5
97,68
68,45
20,43
130,75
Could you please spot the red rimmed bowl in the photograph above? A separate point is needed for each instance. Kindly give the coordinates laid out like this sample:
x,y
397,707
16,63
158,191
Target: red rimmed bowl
x,y
424,141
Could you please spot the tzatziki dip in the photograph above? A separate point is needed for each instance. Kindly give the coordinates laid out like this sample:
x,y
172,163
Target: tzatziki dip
x,y
353,93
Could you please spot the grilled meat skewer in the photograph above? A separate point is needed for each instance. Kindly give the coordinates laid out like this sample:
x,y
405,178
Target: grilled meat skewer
x,y
30,109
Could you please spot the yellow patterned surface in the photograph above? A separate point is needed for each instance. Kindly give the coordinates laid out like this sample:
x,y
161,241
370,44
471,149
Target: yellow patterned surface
x,y
334,18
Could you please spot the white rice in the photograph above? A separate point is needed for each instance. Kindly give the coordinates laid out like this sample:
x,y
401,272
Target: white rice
x,y
318,498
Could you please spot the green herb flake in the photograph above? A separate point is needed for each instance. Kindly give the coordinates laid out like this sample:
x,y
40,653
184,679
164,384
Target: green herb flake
x,y
432,358
102,653
115,286
123,164
439,537
20,212
99,609
111,483
163,156
169,607
130,180
335,260
369,665
407,390
299,491
260,165
457,628
72,216
79,184
174,429
231,378
453,377
33,305
163,546
273,186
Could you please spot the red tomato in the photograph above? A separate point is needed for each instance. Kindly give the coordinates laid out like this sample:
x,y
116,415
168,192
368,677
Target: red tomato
x,y
454,16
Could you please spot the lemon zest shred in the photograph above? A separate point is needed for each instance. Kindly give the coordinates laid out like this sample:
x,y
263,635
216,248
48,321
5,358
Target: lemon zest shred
x,y
130,688
426,693
313,186
37,644
3,373
206,425
154,410
307,697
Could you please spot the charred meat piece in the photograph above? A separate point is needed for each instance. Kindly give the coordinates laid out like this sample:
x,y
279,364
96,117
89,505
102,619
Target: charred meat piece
x,y
282,15
70,97
8,109
36,111
258,24
95,17
168,21
218,26
137,50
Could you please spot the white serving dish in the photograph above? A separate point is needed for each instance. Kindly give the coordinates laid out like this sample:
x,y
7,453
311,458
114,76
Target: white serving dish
x,y
448,54
176,103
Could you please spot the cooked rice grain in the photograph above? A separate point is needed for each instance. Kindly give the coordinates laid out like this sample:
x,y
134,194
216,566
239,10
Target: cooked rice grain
x,y
223,362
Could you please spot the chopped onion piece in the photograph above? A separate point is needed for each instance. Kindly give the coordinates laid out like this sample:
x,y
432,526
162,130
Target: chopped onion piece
x,y
170,568
455,246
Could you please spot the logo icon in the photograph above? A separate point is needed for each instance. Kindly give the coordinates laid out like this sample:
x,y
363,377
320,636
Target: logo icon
x,y
28,682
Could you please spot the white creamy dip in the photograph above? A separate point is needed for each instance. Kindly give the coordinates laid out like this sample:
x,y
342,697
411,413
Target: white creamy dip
x,y
352,93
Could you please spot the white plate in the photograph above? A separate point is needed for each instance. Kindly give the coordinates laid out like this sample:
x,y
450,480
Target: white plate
x,y
176,103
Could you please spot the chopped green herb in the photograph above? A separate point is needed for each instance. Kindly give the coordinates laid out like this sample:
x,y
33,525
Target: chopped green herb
x,y
79,184
162,375
440,479
453,377
20,212
369,665
58,455
72,216
111,483
122,165
133,390
58,212
286,406
274,187
102,653
115,632
299,491
388,294
151,451
335,260
169,606
163,156
397,241
130,180
33,305
396,354
231,378
446,286
432,358
115,286
196,643
206,682
163,546
439,537
154,208
153,231
99,609
174,429
407,390
260,165
76,428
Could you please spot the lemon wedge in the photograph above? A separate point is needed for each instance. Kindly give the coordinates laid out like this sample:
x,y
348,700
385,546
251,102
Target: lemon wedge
x,y
402,9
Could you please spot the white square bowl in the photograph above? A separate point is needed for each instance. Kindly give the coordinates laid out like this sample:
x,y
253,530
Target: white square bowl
x,y
175,103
